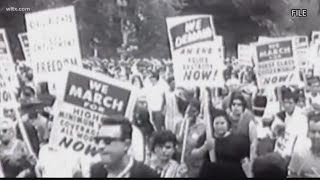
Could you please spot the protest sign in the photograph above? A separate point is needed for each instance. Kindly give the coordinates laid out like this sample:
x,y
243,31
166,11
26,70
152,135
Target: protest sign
x,y
219,45
24,41
8,75
315,36
265,39
5,53
245,55
314,53
7,67
195,56
8,83
285,144
53,42
276,63
302,45
86,98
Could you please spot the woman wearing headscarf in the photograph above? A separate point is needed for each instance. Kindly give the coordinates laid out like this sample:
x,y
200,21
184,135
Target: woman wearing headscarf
x,y
229,150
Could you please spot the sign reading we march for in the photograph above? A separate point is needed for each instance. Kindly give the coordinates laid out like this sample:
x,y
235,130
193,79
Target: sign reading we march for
x,y
53,42
276,63
196,59
87,98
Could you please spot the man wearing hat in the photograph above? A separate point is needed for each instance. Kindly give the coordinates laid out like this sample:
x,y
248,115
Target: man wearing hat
x,y
267,127
114,140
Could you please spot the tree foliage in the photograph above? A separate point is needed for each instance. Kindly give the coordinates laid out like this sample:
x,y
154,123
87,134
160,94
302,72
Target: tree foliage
x,y
99,22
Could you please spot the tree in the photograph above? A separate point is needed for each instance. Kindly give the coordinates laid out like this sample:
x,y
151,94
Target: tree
x,y
99,22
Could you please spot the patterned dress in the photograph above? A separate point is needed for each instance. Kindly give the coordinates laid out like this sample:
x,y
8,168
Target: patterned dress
x,y
172,169
194,134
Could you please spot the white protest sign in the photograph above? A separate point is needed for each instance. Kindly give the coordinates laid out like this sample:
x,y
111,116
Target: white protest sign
x,y
86,98
54,43
276,63
302,45
24,41
285,145
219,46
5,53
7,66
195,56
265,39
8,76
245,54
315,36
314,52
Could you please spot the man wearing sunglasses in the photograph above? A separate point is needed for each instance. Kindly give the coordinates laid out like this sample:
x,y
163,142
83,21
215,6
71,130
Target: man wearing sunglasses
x,y
114,140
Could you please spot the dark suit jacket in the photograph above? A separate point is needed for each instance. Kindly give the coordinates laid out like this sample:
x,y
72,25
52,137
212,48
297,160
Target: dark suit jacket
x,y
139,170
282,115
32,134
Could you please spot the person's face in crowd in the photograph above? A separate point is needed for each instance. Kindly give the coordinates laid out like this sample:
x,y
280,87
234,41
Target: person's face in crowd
x,y
289,105
172,85
9,113
142,104
192,112
220,126
136,83
301,102
314,87
314,134
49,125
29,75
163,74
237,107
309,74
112,147
153,80
225,92
165,152
6,134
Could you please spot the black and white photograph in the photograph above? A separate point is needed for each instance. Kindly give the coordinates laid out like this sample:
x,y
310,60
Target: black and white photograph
x,y
159,88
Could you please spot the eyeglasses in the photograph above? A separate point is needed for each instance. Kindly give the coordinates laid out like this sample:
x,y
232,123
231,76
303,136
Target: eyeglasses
x,y
106,140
